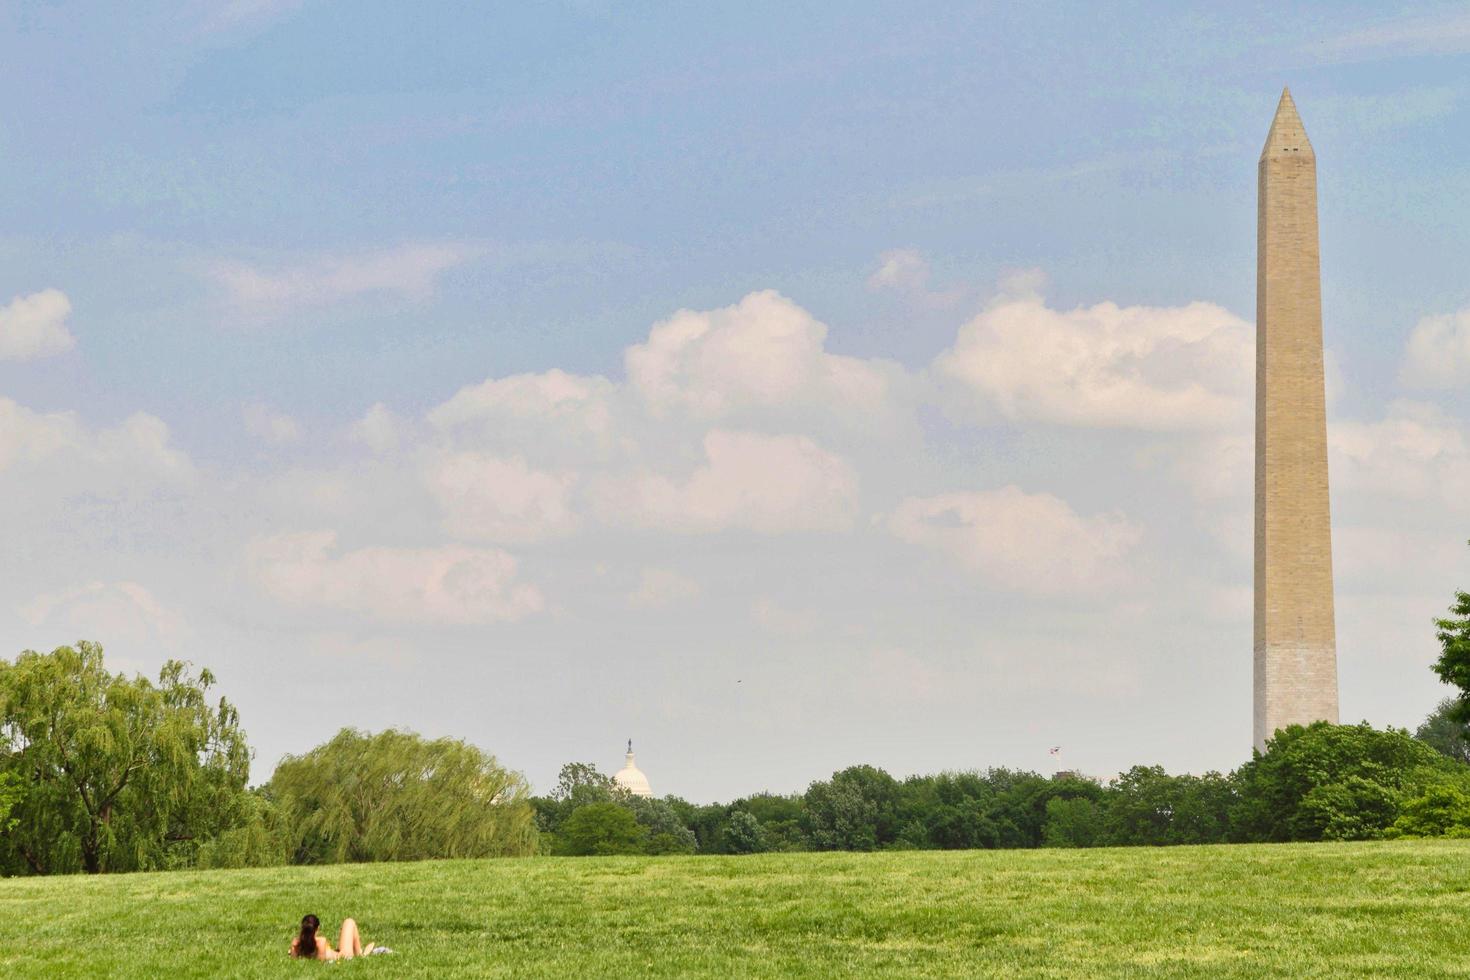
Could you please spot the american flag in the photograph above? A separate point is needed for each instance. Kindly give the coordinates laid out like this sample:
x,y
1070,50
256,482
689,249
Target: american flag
x,y
1056,749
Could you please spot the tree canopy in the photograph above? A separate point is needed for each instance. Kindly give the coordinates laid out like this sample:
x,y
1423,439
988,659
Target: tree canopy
x,y
1453,665
115,773
1331,782
396,796
1442,732
601,829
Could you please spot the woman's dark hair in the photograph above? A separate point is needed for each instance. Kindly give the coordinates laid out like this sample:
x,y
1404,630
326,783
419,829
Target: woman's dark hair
x,y
306,942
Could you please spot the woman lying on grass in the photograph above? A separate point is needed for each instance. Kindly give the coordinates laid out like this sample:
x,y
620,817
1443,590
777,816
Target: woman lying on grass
x,y
310,946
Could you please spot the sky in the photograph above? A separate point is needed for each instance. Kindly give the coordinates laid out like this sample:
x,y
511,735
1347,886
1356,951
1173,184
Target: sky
x,y
784,389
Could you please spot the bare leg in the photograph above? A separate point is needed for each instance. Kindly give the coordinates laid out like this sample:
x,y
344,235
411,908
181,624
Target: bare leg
x,y
349,943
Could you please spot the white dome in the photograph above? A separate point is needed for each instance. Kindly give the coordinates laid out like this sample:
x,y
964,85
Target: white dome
x,y
631,778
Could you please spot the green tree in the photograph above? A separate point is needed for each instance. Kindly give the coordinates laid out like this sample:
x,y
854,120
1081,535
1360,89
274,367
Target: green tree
x,y
855,811
259,840
707,822
580,783
1453,665
396,796
119,773
1445,734
743,834
1147,806
1352,808
667,833
1075,822
1442,810
1202,806
1327,781
10,793
780,819
1018,811
947,810
1140,807
577,784
601,829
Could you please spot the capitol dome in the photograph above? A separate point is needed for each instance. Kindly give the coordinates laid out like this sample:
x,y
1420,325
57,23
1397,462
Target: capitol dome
x,y
631,778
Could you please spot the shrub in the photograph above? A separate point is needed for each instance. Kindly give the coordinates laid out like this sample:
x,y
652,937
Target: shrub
x,y
1441,810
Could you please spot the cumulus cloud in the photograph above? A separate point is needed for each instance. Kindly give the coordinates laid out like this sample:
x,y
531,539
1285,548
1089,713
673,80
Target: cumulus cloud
x,y
1438,354
34,326
903,269
379,429
446,585
1217,467
532,411
270,426
123,612
1104,366
770,484
1033,542
661,587
410,271
1415,452
493,499
763,353
133,456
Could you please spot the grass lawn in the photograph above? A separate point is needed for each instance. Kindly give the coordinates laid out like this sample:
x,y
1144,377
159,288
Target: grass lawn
x,y
1398,909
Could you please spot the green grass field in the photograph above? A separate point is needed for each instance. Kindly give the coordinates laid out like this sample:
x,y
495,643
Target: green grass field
x,y
1399,909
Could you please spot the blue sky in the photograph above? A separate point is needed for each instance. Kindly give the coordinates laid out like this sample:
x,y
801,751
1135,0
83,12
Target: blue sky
x,y
266,218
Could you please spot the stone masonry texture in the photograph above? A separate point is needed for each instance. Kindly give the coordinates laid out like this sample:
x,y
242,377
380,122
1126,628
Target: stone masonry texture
x,y
1295,638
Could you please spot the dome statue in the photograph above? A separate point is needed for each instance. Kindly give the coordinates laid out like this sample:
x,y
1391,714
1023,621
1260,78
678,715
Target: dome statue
x,y
631,778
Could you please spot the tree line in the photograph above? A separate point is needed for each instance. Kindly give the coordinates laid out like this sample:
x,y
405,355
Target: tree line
x,y
100,772
1313,783
103,773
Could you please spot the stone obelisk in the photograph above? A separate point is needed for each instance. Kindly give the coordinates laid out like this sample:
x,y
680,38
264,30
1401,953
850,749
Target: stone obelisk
x,y
1295,639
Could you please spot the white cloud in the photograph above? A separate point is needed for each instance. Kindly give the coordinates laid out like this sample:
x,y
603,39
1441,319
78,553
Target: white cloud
x,y
902,269
1415,453
770,484
410,271
121,612
435,586
379,429
1137,367
1217,467
129,457
555,394
270,426
1438,354
532,413
493,499
765,352
661,587
35,326
1032,542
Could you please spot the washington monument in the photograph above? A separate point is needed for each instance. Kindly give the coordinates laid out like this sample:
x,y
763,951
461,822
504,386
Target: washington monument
x,y
1295,639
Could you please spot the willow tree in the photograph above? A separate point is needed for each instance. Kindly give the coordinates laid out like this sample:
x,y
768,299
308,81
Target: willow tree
x,y
396,796
116,773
